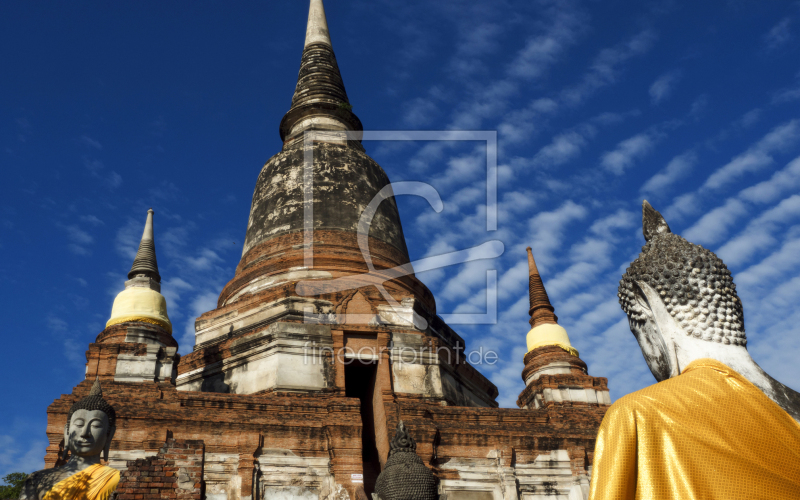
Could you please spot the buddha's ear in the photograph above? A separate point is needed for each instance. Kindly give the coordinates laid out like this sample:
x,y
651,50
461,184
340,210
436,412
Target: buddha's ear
x,y
643,294
107,447
65,451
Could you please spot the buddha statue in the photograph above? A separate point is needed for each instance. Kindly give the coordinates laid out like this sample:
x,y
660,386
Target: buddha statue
x,y
716,425
405,477
87,435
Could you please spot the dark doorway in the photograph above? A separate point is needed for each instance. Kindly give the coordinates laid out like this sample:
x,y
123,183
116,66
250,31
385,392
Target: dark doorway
x,y
359,380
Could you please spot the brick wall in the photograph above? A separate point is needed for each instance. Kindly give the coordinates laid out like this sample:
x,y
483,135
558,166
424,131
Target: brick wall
x,y
175,473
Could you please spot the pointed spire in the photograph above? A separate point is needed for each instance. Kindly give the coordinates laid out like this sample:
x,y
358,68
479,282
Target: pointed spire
x,y
317,30
96,389
145,262
320,101
541,310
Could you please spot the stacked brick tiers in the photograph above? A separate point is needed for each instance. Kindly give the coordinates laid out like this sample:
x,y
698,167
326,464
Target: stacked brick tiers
x,y
175,473
555,377
310,446
318,348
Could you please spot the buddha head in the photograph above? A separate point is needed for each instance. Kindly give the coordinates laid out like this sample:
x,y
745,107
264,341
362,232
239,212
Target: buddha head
x,y
405,477
90,426
678,293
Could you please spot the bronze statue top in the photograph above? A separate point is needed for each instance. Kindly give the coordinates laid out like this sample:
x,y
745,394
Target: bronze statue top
x,y
405,476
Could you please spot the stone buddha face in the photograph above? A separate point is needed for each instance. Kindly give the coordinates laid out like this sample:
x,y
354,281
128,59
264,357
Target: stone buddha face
x,y
87,433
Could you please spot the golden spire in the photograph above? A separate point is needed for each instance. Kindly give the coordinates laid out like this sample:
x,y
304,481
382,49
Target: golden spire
x,y
541,310
545,330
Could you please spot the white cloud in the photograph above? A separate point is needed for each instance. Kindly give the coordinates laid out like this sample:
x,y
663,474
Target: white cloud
x,y
205,260
93,220
627,152
676,169
544,50
714,225
605,68
685,204
92,143
201,303
663,86
781,181
16,457
78,239
757,156
563,148
770,270
518,125
419,112
786,95
470,276
621,219
547,229
779,35
128,238
513,281
760,232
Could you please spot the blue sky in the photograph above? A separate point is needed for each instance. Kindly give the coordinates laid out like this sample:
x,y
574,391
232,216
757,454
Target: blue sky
x,y
109,109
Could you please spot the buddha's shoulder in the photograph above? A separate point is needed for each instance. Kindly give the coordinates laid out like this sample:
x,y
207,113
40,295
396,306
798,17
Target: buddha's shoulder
x,y
40,482
665,393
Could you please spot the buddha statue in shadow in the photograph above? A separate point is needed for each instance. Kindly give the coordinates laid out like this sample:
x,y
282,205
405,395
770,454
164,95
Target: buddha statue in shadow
x,y
716,425
87,436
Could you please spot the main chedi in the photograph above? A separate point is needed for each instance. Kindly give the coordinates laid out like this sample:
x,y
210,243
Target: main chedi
x,y
321,343
716,425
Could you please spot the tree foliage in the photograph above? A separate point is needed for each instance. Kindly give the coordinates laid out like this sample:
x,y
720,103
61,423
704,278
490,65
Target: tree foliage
x,y
13,486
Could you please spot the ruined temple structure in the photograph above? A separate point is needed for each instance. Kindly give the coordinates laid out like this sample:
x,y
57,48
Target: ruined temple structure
x,y
321,343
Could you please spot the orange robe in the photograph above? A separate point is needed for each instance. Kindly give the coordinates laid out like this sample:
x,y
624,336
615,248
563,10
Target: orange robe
x,y
706,434
95,482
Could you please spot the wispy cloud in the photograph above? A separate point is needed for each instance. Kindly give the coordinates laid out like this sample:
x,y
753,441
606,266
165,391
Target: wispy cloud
x,y
779,35
607,66
714,225
663,86
757,156
563,27
92,143
18,457
787,95
628,152
676,169
783,180
761,232
79,240
128,238
547,229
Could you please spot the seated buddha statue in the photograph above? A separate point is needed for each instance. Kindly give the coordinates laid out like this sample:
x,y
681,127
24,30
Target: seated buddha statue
x,y
87,436
716,425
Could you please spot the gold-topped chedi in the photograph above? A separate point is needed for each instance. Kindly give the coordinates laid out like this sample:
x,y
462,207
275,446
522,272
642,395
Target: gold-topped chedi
x,y
142,300
545,329
140,304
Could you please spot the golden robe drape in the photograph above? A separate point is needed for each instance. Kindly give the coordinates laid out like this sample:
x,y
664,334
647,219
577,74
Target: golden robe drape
x,y
706,434
95,482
